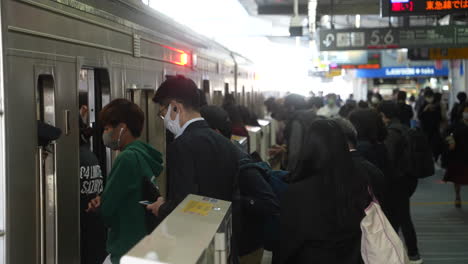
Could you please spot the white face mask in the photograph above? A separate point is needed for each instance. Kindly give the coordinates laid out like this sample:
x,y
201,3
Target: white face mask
x,y
172,125
375,100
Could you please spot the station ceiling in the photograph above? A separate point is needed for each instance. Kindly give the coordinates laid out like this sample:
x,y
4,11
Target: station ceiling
x,y
324,7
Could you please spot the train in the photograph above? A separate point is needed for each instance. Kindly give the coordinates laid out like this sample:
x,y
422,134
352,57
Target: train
x,y
56,53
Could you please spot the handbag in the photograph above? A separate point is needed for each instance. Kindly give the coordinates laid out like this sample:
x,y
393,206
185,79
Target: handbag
x,y
379,242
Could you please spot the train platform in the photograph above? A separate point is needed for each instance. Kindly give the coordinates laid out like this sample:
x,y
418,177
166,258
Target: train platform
x,y
441,228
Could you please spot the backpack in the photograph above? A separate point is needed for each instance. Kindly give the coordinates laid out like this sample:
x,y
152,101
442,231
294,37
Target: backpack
x,y
274,178
415,152
379,241
421,161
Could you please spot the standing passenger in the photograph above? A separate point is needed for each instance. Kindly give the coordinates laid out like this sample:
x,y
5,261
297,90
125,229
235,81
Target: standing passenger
x,y
430,117
122,214
457,170
331,109
405,111
199,161
93,231
322,210
403,184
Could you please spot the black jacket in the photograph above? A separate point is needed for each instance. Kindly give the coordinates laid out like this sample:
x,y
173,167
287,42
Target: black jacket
x,y
405,113
258,202
375,178
202,162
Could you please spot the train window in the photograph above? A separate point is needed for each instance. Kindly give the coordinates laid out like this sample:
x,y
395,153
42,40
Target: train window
x,y
243,96
206,86
45,99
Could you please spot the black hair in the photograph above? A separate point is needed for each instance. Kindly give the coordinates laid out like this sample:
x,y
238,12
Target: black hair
x,y
363,104
218,119
181,89
123,111
401,96
412,98
325,148
428,92
316,102
369,125
389,109
346,109
295,100
348,129
461,96
82,99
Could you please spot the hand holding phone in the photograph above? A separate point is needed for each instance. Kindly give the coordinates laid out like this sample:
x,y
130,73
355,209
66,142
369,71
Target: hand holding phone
x,y
145,202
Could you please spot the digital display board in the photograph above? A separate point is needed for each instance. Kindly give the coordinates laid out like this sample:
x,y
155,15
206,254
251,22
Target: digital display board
x,y
393,38
423,7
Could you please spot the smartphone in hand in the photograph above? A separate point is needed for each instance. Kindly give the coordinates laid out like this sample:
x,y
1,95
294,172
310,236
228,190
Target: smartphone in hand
x,y
145,202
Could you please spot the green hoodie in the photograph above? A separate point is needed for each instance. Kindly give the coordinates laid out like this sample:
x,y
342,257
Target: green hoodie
x,y
120,209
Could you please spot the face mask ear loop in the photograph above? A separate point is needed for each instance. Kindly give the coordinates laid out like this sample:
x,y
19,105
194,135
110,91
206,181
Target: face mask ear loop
x,y
120,135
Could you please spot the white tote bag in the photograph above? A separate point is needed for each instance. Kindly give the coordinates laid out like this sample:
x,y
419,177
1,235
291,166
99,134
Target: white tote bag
x,y
380,244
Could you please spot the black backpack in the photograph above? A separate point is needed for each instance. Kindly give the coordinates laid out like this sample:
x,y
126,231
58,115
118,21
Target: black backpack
x,y
416,153
421,161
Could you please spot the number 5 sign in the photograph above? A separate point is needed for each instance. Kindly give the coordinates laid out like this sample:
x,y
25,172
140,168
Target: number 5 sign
x,y
382,37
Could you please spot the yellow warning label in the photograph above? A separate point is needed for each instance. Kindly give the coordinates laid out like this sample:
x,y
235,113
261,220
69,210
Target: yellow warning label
x,y
199,208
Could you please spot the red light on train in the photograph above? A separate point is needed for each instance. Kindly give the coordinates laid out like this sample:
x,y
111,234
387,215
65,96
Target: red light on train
x,y
179,56
183,59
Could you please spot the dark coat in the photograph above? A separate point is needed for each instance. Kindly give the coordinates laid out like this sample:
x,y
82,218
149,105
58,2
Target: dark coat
x,y
405,113
374,177
310,232
202,162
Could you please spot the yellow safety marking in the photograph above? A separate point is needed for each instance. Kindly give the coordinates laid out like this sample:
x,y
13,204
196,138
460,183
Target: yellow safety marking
x,y
436,203
199,208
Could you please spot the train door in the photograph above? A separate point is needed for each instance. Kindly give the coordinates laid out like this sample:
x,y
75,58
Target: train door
x,y
2,168
154,132
94,92
45,112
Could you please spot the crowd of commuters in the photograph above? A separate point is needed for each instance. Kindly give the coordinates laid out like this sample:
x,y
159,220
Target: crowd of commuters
x,y
335,157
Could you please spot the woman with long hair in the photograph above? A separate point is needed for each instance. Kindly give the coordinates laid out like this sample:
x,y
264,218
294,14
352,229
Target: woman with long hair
x,y
322,209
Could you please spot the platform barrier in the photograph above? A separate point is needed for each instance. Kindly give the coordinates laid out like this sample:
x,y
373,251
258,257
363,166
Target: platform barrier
x,y
243,141
265,138
255,138
197,231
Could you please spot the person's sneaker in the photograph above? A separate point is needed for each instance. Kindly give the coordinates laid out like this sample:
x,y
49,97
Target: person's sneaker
x,y
416,259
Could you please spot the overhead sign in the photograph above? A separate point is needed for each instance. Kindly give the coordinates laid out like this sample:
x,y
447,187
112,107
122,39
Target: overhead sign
x,y
438,54
423,7
402,72
394,38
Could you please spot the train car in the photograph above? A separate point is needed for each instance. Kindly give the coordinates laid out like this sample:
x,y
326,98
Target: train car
x,y
58,54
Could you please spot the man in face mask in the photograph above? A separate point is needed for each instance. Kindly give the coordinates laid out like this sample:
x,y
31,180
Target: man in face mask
x,y
119,206
331,109
199,160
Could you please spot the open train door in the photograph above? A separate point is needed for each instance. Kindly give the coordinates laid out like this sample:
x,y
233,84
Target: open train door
x,y
2,164
154,132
